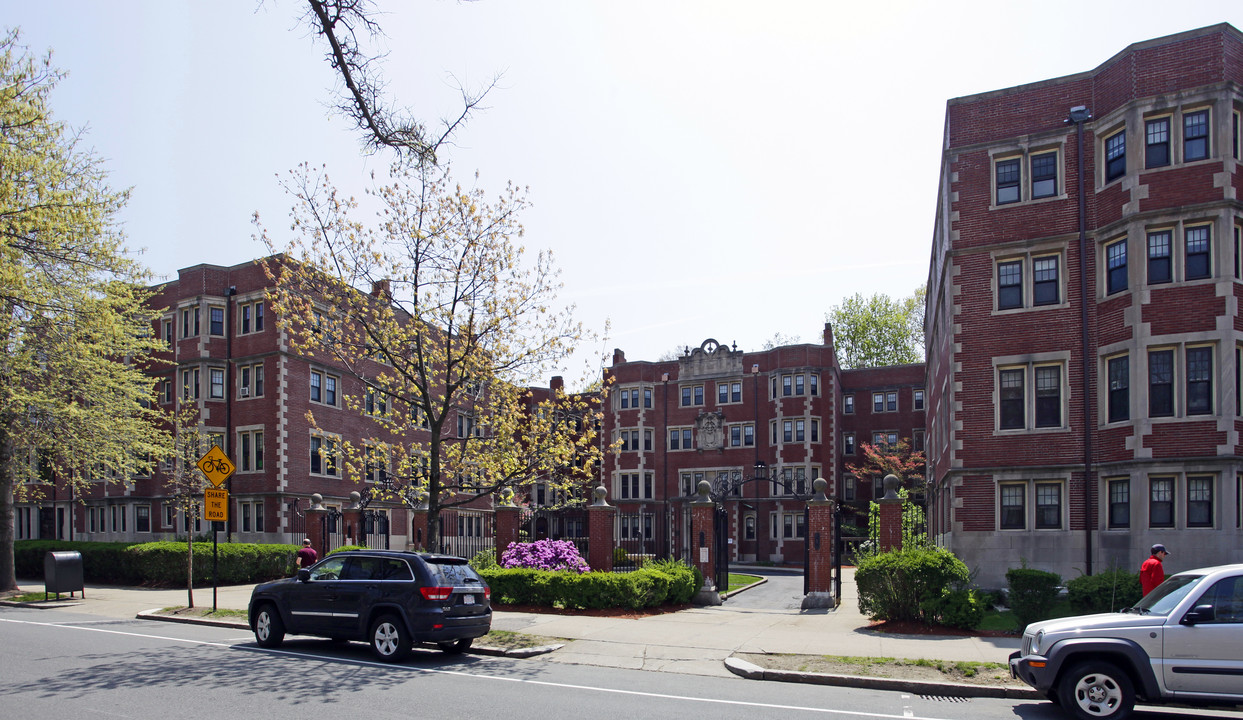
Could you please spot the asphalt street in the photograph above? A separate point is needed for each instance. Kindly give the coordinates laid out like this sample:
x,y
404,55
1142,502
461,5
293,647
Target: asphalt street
x,y
65,664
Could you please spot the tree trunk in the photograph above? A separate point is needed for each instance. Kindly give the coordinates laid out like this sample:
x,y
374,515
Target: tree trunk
x,y
8,576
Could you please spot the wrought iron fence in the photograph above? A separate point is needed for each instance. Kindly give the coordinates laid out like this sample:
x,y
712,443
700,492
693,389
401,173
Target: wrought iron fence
x,y
563,524
466,533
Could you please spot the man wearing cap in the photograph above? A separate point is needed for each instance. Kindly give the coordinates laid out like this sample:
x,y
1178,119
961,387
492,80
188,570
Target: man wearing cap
x,y
307,556
1152,572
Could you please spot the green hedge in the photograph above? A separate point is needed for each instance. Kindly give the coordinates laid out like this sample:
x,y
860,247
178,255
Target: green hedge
x,y
895,585
160,563
1107,591
668,582
1032,593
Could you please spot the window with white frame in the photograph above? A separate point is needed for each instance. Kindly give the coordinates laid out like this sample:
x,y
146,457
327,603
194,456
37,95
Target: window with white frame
x,y
1119,398
1013,506
1116,267
1161,502
1197,252
250,380
142,518
325,455
250,318
1195,135
1115,155
917,440
1160,266
848,443
1196,369
680,439
190,322
250,450
1157,142
167,394
1048,505
190,384
692,395
324,388
848,404
1200,501
1119,490
1025,175
1030,396
1013,291
917,399
375,403
167,327
375,464
728,392
215,315
216,384
690,483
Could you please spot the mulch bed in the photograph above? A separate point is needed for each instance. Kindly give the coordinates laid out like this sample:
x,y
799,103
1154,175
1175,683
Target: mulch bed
x,y
625,613
908,627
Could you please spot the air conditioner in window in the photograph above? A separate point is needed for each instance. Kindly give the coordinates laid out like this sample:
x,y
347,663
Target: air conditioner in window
x,y
244,392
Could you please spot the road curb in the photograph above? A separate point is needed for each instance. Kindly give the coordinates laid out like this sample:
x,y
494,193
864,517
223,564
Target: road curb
x,y
751,671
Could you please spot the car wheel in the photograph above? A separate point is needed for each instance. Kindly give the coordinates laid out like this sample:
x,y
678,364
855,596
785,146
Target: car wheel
x,y
269,628
389,641
453,647
1096,691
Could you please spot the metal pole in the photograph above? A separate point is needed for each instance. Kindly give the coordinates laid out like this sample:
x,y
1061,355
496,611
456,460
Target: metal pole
x,y
215,563
1089,518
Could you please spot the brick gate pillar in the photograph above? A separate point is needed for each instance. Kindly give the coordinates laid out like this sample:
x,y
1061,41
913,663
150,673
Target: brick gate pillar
x,y
703,544
315,524
819,549
890,516
351,520
508,518
600,517
418,523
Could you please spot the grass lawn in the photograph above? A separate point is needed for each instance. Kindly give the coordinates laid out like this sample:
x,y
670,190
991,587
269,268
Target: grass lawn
x,y
737,581
1004,620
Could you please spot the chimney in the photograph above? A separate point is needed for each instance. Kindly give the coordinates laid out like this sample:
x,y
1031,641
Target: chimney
x,y
619,357
828,335
380,289
558,383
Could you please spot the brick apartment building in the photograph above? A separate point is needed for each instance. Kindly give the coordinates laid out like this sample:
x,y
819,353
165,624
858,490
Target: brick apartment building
x,y
716,413
229,357
1083,324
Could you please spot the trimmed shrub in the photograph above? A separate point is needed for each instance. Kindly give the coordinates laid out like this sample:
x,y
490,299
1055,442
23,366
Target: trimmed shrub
x,y
682,583
343,548
544,555
1032,593
484,559
160,563
956,608
1107,591
893,585
668,581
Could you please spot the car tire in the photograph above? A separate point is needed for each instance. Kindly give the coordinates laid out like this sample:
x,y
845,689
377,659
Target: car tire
x,y
454,647
1096,690
388,638
269,628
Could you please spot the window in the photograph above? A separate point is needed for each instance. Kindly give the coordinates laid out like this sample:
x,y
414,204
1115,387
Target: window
x,y
324,451
878,402
647,397
815,431
1157,143
1044,281
1199,380
250,450
787,385
1009,284
168,391
1011,383
1199,501
142,518
1007,175
190,384
1049,396
1115,260
466,426
375,403
917,399
891,402
680,439
1196,259
749,527
629,398
729,392
1159,268
917,441
1161,502
250,380
647,440
375,465
189,322
692,395
1160,383
848,404
245,508
216,389
1048,506
168,332
323,387
1013,507
1044,175
1115,156
1119,388
216,320
1120,503
848,443
251,318
1195,135
813,381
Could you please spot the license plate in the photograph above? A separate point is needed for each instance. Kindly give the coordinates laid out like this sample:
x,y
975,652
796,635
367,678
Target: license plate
x,y
468,599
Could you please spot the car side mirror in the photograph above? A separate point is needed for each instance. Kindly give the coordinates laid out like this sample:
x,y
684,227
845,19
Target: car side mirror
x,y
304,575
1199,614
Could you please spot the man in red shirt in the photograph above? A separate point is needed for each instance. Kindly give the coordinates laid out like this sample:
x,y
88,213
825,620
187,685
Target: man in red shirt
x,y
1152,572
307,556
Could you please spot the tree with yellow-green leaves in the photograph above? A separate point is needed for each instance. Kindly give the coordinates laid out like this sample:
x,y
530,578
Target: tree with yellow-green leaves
x,y
444,320
75,402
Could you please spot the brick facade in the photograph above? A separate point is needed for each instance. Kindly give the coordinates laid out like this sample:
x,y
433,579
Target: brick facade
x,y
1009,431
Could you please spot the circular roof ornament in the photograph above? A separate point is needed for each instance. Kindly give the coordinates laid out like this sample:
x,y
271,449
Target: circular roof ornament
x,y
710,346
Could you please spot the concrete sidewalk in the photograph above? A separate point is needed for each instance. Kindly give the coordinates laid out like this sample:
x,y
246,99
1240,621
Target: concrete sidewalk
x,y
696,640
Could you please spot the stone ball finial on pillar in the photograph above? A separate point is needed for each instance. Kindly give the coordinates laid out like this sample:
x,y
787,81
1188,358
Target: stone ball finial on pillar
x,y
355,500
317,502
891,483
704,491
599,494
818,486
506,498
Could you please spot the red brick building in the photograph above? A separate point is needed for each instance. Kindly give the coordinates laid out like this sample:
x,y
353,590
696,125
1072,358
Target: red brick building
x,y
1083,324
716,413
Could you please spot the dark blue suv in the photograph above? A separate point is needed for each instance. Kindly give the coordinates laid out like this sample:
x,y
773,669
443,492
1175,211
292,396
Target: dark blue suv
x,y
388,598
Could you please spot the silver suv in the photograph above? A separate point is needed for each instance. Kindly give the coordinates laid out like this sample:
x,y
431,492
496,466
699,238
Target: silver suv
x,y
1182,643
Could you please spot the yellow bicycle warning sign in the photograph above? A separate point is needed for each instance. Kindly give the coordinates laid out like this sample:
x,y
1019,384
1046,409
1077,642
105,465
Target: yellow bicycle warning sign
x,y
216,466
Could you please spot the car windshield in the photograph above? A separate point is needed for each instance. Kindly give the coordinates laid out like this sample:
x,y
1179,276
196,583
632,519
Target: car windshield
x,y
1168,594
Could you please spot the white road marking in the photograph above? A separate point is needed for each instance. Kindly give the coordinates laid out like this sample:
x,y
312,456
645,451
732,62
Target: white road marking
x,y
458,673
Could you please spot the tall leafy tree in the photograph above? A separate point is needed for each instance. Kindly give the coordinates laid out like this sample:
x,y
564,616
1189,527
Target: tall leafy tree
x,y
439,314
74,398
878,331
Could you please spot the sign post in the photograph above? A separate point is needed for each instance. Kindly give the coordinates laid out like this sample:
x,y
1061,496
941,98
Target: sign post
x,y
217,467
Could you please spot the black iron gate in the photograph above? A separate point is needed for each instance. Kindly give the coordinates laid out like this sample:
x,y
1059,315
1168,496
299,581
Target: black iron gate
x,y
720,532
374,530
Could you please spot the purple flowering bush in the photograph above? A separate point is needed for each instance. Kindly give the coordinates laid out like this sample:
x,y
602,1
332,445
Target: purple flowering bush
x,y
544,555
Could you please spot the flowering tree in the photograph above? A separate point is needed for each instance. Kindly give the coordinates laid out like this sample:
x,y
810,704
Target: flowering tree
x,y
544,555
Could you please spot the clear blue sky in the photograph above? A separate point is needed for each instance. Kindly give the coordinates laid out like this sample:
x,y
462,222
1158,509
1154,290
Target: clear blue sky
x,y
700,169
